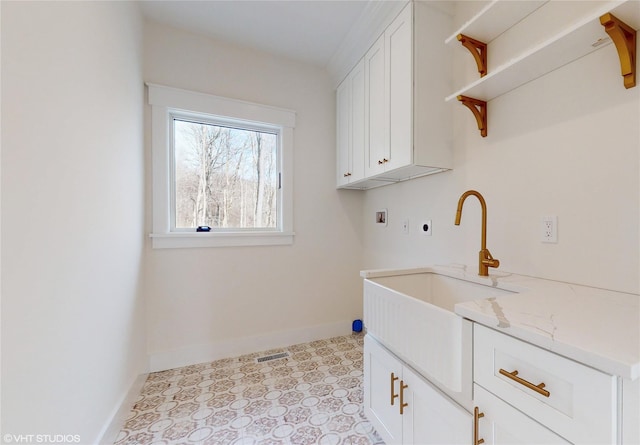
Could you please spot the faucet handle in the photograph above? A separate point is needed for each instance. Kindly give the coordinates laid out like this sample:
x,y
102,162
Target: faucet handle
x,y
488,260
491,262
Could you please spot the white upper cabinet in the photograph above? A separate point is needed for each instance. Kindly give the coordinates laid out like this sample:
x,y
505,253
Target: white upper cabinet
x,y
343,122
350,115
376,131
398,47
407,126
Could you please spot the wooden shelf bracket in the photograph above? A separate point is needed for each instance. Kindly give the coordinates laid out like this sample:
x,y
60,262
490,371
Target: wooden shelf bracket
x,y
624,37
479,110
478,50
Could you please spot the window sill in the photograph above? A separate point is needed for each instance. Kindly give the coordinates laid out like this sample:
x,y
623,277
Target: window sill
x,y
194,239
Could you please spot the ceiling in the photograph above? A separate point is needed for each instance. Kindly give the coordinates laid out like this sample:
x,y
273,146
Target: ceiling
x,y
309,31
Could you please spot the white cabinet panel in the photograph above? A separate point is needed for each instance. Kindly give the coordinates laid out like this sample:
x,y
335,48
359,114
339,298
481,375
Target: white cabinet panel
x,y
430,418
350,117
399,62
382,372
376,140
501,424
578,402
404,408
343,119
630,412
357,122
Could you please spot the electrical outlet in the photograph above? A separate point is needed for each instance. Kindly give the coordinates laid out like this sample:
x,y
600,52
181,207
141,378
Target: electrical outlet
x,y
425,227
405,226
549,229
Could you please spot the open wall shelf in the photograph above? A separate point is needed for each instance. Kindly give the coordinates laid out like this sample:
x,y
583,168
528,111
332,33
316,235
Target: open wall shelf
x,y
579,39
494,19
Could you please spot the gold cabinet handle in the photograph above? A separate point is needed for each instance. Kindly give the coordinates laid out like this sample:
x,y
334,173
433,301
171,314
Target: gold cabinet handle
x,y
402,404
347,174
476,420
393,387
514,376
385,160
380,162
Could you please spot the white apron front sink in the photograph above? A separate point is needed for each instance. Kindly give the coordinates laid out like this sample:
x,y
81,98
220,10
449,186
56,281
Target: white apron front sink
x,y
411,312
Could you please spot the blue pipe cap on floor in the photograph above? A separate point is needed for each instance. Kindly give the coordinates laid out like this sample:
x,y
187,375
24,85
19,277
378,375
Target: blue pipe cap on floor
x,y
357,326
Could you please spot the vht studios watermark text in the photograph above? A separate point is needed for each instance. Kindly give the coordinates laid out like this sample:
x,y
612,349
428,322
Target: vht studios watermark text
x,y
41,438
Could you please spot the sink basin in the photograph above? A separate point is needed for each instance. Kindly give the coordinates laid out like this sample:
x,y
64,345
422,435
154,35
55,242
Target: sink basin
x,y
438,290
412,314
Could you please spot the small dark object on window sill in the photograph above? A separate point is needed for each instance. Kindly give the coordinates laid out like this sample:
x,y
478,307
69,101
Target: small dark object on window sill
x,y
203,229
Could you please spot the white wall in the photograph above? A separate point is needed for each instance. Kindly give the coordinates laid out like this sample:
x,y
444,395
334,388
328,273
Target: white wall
x,y
566,144
207,303
73,337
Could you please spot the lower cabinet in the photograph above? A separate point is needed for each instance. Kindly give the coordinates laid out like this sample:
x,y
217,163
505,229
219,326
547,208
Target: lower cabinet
x,y
573,400
404,408
498,423
522,394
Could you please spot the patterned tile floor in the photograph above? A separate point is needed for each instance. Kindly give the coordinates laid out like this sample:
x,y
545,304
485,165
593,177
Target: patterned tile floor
x,y
312,397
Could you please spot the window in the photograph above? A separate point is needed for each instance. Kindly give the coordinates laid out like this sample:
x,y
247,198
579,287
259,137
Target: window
x,y
223,177
220,163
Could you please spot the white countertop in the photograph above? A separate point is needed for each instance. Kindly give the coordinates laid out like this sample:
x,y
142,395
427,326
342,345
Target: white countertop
x,y
597,327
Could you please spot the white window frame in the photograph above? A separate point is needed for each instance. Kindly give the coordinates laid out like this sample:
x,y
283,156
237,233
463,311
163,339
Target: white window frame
x,y
166,102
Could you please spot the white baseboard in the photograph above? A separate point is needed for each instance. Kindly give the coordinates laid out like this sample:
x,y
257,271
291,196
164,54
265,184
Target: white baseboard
x,y
161,361
112,428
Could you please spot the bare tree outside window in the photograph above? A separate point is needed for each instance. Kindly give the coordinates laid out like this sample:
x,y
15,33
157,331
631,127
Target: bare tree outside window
x,y
225,177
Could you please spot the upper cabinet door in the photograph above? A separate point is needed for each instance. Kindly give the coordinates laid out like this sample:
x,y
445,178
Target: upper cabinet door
x,y
375,109
356,79
398,40
350,118
343,118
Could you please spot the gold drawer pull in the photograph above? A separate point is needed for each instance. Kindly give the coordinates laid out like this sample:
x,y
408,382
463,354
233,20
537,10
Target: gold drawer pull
x,y
514,376
402,404
393,387
476,418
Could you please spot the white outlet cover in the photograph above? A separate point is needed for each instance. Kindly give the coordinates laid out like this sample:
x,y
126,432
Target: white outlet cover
x,y
549,229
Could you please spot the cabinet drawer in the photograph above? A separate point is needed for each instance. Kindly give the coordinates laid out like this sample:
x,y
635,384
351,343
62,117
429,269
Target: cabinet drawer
x,y
502,424
575,401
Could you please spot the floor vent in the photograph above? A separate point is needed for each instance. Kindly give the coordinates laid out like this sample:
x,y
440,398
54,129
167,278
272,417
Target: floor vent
x,y
267,358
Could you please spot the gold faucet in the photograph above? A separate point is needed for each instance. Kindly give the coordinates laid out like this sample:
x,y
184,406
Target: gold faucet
x,y
485,260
